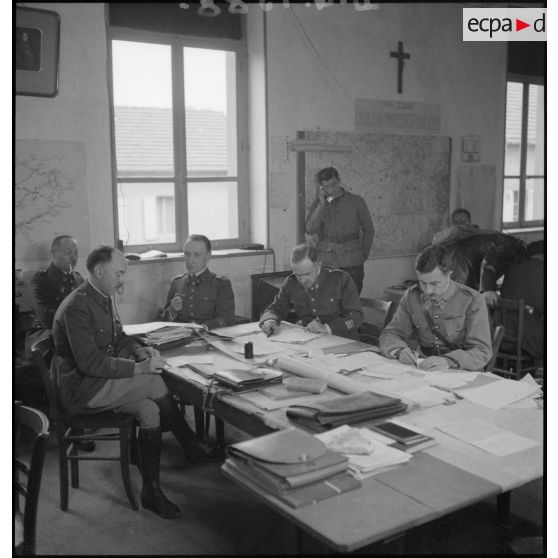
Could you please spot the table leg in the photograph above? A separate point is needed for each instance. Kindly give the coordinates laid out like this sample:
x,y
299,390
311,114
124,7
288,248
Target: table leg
x,y
199,422
503,505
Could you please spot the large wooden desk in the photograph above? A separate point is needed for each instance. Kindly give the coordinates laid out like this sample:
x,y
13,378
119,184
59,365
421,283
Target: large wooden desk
x,y
442,479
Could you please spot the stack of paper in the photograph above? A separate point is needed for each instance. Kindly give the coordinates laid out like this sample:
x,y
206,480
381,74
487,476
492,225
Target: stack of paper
x,y
381,456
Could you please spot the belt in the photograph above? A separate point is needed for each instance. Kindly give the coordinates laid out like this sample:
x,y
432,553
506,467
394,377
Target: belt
x,y
436,350
341,237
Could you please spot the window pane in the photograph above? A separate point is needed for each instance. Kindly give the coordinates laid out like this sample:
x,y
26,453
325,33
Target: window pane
x,y
514,102
213,209
146,213
535,130
511,200
210,99
142,87
534,199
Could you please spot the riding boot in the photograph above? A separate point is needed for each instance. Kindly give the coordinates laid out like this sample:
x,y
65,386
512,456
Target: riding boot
x,y
152,498
195,450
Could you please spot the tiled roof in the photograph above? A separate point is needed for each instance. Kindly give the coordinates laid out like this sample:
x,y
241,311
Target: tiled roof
x,y
513,116
144,141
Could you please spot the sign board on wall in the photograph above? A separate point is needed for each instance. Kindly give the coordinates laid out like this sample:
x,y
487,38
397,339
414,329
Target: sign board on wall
x,y
398,117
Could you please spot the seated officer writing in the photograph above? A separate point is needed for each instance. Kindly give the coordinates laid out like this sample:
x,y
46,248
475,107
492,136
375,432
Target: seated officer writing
x,y
325,300
97,367
449,320
199,295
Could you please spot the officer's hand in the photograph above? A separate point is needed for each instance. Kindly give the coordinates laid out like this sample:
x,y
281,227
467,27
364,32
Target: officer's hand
x,y
491,298
316,327
143,353
152,365
407,356
176,303
322,195
435,363
269,326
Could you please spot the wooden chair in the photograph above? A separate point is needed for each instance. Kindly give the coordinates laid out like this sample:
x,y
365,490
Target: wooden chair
x,y
123,431
31,438
511,360
377,314
497,337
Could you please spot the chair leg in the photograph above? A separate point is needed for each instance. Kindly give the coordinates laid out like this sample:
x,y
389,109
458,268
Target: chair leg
x,y
125,465
207,424
74,466
220,432
199,422
63,467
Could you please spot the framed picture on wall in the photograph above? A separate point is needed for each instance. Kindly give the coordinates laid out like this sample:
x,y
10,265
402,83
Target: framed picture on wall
x,y
37,44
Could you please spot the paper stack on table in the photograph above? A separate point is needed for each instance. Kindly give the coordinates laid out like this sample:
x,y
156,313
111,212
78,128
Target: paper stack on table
x,y
364,465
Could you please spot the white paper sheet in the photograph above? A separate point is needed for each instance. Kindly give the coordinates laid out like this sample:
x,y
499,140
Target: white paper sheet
x,y
190,375
500,393
181,360
137,329
362,466
292,334
450,380
488,437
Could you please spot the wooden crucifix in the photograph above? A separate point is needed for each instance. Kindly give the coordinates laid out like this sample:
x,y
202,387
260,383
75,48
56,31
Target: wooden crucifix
x,y
401,57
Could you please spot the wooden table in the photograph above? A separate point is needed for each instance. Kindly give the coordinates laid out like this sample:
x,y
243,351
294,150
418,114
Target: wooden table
x,y
442,479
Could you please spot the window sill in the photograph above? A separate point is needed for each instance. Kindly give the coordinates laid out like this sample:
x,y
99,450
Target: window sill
x,y
525,230
215,254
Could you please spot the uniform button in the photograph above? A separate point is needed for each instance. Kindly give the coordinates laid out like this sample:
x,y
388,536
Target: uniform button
x,y
436,316
314,310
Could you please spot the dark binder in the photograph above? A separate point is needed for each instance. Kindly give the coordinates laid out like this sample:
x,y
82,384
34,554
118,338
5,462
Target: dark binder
x,y
239,379
347,409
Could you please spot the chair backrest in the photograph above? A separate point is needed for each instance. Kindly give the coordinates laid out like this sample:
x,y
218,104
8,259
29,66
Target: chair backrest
x,y
510,314
42,352
376,311
31,438
497,337
377,314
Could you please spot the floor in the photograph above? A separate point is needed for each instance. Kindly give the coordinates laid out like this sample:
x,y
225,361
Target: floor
x,y
220,518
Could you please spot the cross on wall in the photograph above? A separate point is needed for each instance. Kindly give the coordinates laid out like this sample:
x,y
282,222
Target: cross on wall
x,y
401,57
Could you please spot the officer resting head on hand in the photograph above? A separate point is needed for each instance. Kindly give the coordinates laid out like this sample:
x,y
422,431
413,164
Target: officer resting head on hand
x,y
448,319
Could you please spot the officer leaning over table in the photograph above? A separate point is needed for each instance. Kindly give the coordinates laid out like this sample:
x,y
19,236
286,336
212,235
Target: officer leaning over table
x,y
200,295
325,299
442,321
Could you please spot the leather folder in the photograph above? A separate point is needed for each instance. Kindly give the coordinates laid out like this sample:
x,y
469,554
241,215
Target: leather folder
x,y
348,409
247,379
287,459
303,495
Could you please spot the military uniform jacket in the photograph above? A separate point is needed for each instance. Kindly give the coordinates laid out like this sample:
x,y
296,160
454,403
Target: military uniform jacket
x,y
480,257
208,299
459,316
344,228
52,286
333,299
90,347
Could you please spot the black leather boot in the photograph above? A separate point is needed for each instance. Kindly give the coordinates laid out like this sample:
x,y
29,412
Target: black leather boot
x,y
196,451
152,498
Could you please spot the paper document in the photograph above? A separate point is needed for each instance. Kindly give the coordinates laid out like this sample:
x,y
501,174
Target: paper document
x,y
239,330
292,334
189,375
450,380
488,437
182,360
500,393
261,345
362,466
138,329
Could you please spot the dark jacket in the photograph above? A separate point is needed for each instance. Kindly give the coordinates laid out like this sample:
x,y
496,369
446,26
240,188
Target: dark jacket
x,y
208,299
52,286
482,257
333,299
90,347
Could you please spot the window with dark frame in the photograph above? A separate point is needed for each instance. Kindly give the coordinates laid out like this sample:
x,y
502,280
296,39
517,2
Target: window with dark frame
x,y
176,137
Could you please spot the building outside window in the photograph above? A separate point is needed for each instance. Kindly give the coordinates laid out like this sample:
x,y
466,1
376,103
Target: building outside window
x,y
524,167
179,169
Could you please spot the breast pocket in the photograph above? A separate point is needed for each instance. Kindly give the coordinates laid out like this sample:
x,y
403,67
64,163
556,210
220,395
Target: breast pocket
x,y
455,328
103,337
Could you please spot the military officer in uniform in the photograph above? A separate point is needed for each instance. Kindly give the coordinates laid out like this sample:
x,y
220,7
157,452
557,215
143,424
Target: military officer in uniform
x,y
439,319
343,224
325,300
55,283
199,295
97,367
